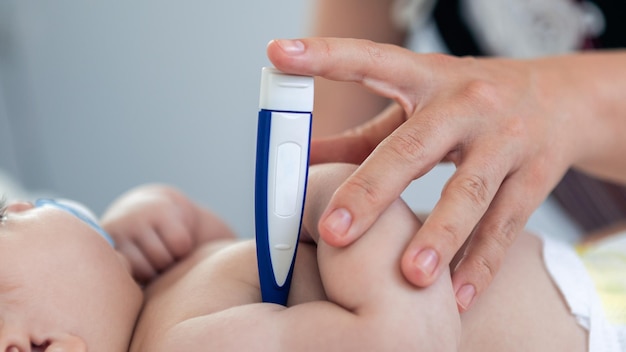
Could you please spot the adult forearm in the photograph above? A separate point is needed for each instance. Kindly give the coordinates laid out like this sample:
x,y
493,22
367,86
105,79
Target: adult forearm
x,y
593,89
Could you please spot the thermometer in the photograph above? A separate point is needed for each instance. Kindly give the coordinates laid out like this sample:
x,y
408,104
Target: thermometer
x,y
282,160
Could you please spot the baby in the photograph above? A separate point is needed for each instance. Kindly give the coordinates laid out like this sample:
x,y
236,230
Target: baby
x,y
63,287
354,298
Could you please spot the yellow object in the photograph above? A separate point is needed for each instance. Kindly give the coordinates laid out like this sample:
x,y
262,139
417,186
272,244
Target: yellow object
x,y
605,261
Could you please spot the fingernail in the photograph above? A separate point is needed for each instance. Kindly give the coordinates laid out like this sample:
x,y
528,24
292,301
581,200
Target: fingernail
x,y
426,261
338,222
291,47
465,295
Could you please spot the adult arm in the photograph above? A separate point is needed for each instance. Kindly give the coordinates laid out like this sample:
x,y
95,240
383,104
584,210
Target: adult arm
x,y
512,128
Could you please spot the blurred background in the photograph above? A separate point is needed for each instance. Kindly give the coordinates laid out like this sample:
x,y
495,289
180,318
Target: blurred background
x,y
98,97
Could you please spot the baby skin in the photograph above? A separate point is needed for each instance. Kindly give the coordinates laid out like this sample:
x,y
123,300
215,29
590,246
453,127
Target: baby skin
x,y
63,287
342,299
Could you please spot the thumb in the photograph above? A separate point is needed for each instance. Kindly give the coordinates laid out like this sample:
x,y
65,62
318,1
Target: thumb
x,y
343,148
355,145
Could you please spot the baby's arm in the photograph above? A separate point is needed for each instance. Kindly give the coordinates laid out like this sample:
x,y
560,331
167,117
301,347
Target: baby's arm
x,y
155,225
364,280
370,306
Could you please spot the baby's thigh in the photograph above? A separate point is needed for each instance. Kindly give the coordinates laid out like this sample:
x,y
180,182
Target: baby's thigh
x,y
522,307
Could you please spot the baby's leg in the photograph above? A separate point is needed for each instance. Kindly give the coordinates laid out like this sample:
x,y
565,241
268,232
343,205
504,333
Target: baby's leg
x,y
522,308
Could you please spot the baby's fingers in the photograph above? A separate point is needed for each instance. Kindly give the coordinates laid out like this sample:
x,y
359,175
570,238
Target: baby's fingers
x,y
142,270
154,250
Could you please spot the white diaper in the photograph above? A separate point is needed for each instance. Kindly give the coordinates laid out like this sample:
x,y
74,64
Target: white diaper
x,y
569,274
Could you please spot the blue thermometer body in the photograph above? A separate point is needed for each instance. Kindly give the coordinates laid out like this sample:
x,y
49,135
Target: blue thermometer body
x,y
282,160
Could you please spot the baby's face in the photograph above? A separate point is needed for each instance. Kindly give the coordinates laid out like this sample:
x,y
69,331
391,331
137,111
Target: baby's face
x,y
62,286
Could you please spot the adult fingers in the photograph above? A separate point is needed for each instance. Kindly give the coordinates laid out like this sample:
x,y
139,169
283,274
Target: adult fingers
x,y
408,153
464,200
494,235
354,145
343,148
386,69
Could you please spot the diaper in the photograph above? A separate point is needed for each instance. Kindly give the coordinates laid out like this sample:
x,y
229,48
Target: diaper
x,y
605,262
569,272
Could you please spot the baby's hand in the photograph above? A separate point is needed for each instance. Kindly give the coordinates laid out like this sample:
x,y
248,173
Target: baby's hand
x,y
154,226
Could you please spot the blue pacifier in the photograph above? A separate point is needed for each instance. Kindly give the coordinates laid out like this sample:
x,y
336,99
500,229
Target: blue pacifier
x,y
78,210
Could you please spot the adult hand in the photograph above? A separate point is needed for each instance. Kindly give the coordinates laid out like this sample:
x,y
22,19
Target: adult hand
x,y
512,128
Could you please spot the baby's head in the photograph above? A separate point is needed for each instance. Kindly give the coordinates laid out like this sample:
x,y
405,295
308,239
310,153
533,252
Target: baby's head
x,y
63,287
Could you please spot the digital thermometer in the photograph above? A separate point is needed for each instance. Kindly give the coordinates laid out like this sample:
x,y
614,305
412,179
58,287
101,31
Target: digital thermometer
x,y
282,161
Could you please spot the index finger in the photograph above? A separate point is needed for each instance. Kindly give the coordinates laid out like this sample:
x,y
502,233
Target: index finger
x,y
387,70
408,153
